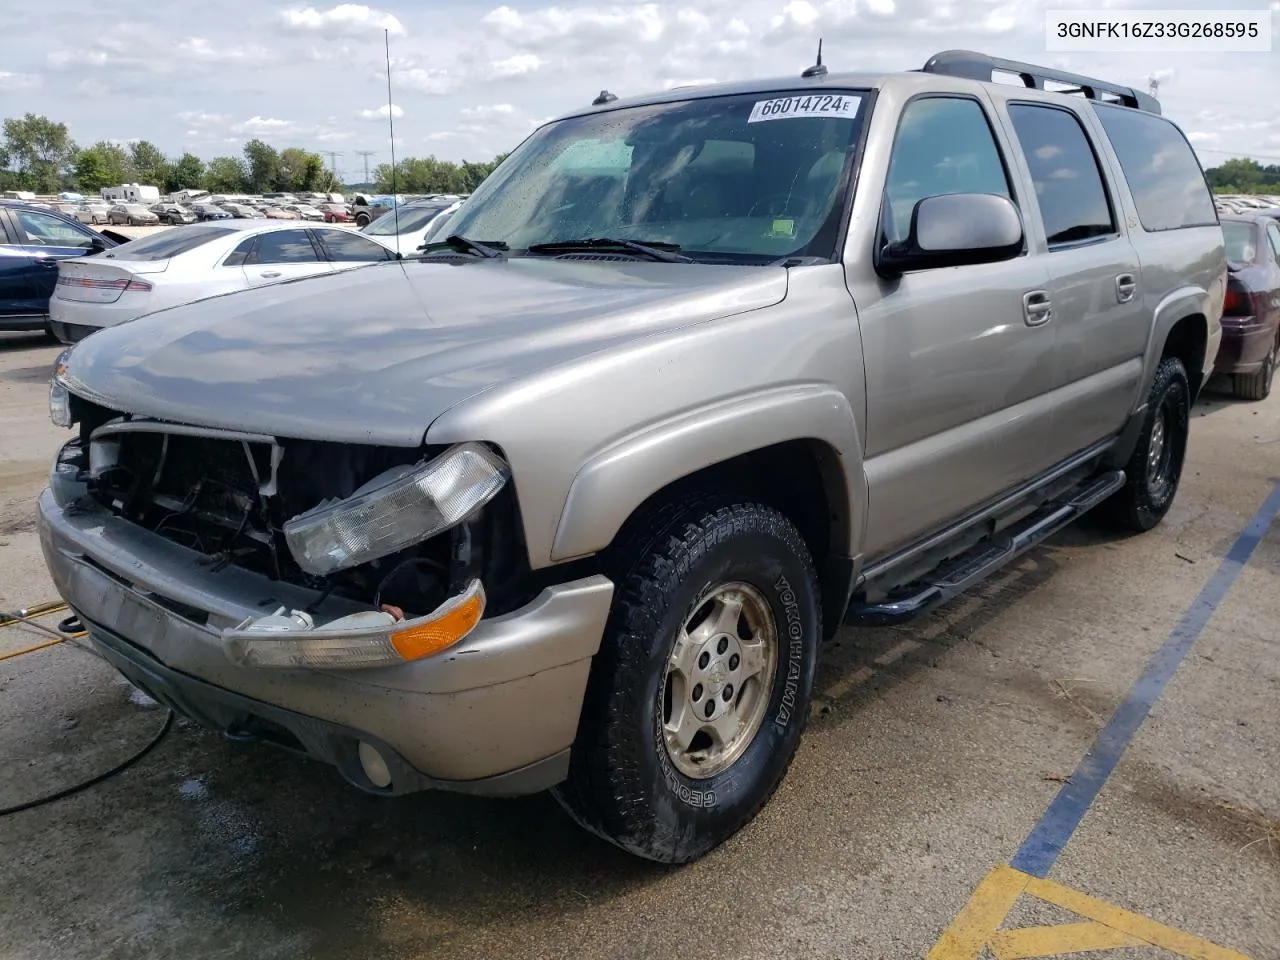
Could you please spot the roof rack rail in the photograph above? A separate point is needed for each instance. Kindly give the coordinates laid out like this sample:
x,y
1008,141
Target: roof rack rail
x,y
979,66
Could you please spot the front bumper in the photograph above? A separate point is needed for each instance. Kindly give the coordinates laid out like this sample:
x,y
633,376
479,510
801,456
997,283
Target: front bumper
x,y
495,714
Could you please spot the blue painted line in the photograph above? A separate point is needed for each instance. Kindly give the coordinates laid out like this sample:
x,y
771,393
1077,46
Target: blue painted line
x,y
1040,850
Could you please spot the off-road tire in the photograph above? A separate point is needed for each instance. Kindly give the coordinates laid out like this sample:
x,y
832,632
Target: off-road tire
x,y
622,783
1141,504
1256,386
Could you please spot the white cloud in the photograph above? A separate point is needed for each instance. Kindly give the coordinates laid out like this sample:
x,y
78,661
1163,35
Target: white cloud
x,y
1203,136
13,82
261,126
200,119
488,111
202,49
424,80
557,26
344,20
394,110
90,87
518,65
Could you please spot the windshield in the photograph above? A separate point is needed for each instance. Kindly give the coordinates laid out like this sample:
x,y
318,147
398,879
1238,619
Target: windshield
x,y
742,178
411,219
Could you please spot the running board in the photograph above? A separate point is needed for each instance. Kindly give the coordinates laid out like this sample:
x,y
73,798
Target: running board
x,y
957,575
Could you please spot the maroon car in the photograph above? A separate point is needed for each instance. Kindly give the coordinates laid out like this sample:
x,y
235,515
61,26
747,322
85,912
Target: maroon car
x,y
1251,311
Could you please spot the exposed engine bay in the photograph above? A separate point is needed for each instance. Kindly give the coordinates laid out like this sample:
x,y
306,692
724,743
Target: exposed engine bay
x,y
228,496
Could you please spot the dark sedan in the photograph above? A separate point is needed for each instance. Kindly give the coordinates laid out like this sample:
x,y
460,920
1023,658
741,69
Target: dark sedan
x,y
210,211
32,241
1251,311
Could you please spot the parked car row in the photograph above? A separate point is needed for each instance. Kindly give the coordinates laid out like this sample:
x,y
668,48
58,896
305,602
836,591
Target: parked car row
x,y
1236,203
195,261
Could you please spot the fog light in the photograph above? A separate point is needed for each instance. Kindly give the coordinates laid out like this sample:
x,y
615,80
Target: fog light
x,y
374,766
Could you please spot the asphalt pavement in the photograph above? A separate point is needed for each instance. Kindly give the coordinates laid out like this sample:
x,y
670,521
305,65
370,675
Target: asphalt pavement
x,y
937,754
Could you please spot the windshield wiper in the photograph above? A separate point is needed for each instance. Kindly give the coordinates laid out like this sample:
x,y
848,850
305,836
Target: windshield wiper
x,y
654,250
492,248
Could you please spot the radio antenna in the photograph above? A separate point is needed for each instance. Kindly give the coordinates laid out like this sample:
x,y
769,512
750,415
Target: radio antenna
x,y
391,123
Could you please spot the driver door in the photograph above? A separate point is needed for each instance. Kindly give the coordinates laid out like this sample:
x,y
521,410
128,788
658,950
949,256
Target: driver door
x,y
42,241
958,364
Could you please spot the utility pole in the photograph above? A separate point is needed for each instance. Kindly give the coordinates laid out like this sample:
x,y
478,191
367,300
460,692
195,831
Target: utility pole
x,y
366,154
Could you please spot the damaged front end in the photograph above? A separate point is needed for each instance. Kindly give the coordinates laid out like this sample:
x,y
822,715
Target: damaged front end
x,y
425,539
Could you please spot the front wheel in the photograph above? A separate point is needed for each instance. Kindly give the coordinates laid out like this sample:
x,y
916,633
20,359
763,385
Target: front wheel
x,y
700,692
1155,467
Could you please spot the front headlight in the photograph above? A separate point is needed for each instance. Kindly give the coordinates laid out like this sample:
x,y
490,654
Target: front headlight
x,y
396,509
59,397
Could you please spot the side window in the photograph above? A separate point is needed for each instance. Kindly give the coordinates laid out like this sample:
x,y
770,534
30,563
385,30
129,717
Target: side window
x,y
4,231
1168,185
1069,187
944,145
241,254
1273,234
285,246
347,246
45,230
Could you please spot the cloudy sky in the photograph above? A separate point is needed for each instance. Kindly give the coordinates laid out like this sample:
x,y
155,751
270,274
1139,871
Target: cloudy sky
x,y
471,78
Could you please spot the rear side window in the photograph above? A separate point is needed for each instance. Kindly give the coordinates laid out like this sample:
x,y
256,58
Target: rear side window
x,y
347,246
1069,187
1240,243
284,246
171,243
1164,175
1273,235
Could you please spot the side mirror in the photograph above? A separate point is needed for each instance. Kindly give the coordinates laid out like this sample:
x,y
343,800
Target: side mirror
x,y
953,230
97,244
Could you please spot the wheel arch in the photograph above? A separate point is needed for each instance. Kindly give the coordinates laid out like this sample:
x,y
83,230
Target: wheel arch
x,y
794,448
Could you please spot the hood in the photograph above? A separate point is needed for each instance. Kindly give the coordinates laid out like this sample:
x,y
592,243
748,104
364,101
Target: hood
x,y
374,354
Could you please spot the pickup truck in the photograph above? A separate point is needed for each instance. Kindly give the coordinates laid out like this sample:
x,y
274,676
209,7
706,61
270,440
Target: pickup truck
x,y
571,500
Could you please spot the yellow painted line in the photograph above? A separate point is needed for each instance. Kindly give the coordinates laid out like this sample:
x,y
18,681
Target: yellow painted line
x,y
31,649
855,679
973,926
1054,941
1104,926
1149,931
896,652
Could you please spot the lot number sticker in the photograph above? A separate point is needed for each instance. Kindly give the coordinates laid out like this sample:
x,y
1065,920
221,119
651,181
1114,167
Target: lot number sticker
x,y
819,105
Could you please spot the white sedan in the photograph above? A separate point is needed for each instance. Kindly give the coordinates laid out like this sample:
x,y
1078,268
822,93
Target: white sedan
x,y
189,263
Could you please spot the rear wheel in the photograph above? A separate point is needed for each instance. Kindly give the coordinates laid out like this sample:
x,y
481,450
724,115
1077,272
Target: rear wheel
x,y
700,691
1257,386
1155,468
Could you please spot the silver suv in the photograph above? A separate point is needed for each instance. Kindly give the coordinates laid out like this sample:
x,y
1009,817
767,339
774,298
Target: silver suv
x,y
570,500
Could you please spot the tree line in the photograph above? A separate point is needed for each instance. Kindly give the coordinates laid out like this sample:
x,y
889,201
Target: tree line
x,y
38,154
1244,176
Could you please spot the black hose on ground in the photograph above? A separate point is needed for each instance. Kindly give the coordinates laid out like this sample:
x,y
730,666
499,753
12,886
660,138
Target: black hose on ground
x,y
93,781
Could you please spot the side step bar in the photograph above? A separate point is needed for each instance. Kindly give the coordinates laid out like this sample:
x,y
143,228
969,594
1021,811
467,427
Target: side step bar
x,y
960,573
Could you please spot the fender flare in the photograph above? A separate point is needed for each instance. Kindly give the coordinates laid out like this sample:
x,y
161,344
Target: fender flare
x,y
1184,302
617,479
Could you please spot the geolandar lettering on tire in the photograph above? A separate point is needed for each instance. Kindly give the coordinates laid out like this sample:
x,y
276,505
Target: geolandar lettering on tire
x,y
699,799
795,651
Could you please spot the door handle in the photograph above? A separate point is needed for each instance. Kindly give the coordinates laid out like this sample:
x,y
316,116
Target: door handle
x,y
1036,308
1126,286
269,273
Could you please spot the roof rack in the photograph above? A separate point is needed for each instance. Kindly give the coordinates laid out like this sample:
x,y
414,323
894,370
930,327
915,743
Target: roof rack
x,y
979,66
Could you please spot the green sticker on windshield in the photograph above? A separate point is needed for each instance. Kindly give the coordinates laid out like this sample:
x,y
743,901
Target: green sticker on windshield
x,y
784,228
